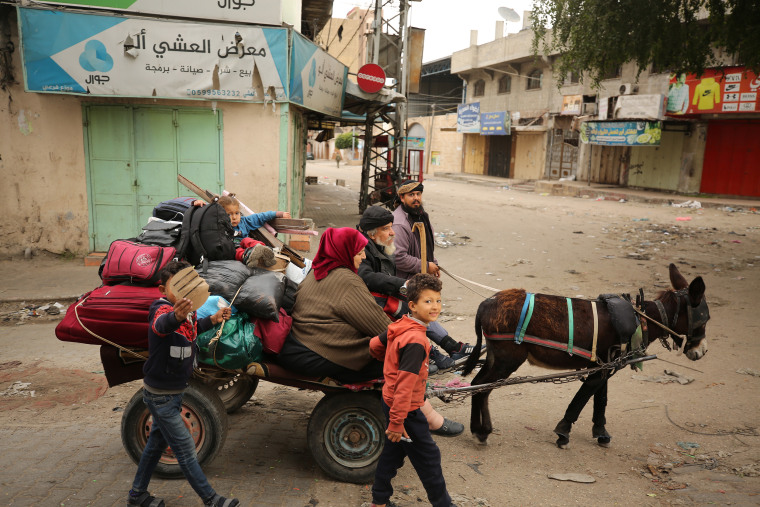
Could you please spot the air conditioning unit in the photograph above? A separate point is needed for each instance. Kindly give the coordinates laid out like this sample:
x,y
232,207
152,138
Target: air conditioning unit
x,y
588,108
628,89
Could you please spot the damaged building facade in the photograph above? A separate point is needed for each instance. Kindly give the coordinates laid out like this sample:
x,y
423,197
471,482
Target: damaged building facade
x,y
104,106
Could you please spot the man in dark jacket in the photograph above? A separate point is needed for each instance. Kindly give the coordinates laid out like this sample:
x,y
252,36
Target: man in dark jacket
x,y
378,270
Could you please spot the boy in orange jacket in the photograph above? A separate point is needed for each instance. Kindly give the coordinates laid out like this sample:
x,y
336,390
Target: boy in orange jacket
x,y
405,348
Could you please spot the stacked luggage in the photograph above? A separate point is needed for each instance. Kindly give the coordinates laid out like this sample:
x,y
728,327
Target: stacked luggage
x,y
116,313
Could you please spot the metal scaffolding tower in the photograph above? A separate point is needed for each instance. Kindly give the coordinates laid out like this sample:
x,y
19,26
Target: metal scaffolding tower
x,y
385,136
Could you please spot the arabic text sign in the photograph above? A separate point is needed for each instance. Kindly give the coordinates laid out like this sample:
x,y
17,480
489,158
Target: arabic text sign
x,y
717,91
621,133
317,80
494,124
107,55
240,11
468,118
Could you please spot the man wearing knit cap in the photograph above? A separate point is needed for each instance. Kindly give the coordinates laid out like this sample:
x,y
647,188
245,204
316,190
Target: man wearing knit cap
x,y
379,272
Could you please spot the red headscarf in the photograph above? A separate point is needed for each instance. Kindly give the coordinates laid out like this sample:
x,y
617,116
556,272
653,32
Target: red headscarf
x,y
337,249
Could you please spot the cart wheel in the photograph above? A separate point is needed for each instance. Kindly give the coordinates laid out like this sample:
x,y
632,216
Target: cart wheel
x,y
203,413
234,391
346,435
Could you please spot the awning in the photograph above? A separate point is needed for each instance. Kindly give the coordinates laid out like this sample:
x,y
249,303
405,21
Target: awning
x,y
358,103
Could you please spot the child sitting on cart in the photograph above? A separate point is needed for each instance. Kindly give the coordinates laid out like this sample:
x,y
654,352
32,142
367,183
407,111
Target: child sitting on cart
x,y
405,350
171,342
249,251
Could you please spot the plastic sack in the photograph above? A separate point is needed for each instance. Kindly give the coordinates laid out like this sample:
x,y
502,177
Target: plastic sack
x,y
296,274
236,348
212,305
224,278
261,295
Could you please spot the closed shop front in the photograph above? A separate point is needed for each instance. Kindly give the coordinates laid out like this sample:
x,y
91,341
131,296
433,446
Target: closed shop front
x,y
134,154
657,167
731,158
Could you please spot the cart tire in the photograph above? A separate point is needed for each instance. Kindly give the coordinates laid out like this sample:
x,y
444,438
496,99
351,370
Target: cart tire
x,y
202,410
346,435
234,391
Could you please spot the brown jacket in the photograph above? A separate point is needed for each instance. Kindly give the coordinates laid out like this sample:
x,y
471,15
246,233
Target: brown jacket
x,y
336,317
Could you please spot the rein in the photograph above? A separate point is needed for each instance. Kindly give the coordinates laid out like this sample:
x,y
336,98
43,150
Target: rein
x,y
664,316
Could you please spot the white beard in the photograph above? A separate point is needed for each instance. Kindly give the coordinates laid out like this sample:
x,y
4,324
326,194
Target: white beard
x,y
389,249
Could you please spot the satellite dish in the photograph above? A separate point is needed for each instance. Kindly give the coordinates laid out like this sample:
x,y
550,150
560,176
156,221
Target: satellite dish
x,y
509,14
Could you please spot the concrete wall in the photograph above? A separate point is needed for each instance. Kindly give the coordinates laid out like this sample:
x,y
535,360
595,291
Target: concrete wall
x,y
42,162
446,143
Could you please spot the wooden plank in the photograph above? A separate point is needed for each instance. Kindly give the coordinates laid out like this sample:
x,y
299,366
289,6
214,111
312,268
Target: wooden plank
x,y
203,194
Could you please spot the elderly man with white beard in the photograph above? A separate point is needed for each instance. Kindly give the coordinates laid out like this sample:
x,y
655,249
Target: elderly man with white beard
x,y
379,273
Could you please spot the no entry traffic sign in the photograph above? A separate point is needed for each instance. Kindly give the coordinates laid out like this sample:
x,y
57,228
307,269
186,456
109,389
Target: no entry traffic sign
x,y
371,78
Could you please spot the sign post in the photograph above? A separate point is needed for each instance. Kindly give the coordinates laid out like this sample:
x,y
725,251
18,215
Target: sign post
x,y
370,78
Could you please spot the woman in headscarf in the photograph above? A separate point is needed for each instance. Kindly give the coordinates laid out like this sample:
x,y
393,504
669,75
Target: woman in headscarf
x,y
335,315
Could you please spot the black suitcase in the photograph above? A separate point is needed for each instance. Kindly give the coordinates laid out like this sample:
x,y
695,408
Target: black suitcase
x,y
173,209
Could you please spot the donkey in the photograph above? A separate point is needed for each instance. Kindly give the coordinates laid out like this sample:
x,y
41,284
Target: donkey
x,y
560,335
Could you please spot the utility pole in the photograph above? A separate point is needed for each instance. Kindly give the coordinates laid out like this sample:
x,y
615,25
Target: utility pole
x,y
384,162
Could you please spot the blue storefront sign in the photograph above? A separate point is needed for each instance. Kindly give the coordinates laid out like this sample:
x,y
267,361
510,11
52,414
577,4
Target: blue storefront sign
x,y
494,124
468,118
621,133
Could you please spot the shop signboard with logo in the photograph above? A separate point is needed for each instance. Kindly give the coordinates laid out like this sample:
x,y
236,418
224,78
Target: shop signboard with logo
x,y
129,57
240,11
621,133
317,80
494,124
468,118
717,91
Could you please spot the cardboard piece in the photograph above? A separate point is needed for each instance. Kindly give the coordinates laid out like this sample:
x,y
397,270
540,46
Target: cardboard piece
x,y
187,284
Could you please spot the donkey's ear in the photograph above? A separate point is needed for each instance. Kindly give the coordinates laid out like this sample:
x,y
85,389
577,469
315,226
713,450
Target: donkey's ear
x,y
676,278
696,291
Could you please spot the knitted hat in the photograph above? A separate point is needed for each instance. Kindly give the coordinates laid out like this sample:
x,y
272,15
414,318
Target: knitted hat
x,y
374,217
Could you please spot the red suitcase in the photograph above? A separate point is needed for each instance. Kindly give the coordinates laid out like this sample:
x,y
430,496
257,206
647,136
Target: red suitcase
x,y
134,263
118,313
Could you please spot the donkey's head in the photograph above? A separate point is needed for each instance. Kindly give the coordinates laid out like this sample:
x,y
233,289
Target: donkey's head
x,y
691,313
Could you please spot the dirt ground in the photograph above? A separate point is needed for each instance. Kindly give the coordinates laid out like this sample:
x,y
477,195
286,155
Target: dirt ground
x,y
696,443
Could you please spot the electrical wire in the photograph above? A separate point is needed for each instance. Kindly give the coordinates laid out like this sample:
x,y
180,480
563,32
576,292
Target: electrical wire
x,y
348,43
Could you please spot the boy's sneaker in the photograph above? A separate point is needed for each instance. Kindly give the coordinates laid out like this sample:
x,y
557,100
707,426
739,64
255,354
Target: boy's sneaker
x,y
432,368
144,499
441,361
464,352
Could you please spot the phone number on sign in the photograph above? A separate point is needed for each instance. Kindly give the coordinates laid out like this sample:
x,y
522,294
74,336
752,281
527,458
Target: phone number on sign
x,y
214,93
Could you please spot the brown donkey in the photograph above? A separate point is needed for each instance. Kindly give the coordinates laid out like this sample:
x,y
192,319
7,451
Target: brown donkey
x,y
547,343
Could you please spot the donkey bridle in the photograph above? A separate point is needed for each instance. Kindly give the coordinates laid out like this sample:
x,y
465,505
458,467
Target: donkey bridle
x,y
696,317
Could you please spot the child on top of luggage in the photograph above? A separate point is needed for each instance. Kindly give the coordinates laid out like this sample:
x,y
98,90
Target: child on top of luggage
x,y
405,349
249,251
245,225
171,342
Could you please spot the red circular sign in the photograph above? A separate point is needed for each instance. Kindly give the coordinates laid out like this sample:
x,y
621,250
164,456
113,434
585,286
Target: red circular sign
x,y
371,78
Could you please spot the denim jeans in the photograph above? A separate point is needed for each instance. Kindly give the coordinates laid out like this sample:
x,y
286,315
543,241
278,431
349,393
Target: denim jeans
x,y
169,429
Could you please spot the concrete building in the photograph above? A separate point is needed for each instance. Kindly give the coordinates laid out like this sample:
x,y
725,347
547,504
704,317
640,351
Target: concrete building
x,y
686,149
144,98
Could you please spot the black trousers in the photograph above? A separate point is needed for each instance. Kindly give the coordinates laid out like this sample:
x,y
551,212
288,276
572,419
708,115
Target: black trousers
x,y
297,357
424,455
